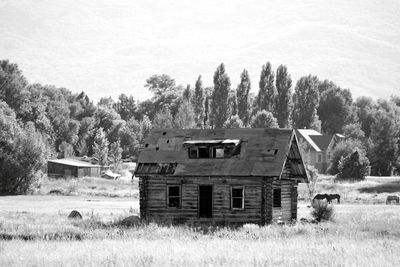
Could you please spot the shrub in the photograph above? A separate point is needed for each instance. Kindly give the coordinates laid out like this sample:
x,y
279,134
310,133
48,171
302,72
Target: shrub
x,y
342,149
322,211
353,166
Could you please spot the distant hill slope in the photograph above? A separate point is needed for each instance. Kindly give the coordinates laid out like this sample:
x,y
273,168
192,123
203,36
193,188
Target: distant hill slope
x,y
110,47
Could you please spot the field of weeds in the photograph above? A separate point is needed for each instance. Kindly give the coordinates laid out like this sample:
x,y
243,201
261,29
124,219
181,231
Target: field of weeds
x,y
373,190
35,231
359,235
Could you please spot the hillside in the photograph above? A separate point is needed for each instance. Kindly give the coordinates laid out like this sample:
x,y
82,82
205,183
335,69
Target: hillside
x,y
110,47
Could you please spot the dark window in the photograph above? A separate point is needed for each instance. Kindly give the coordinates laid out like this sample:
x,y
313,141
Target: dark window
x,y
204,152
174,196
237,199
277,198
193,152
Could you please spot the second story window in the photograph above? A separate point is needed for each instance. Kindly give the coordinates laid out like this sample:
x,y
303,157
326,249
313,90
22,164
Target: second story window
x,y
213,148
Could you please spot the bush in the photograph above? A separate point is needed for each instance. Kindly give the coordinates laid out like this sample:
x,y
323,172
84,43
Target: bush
x,y
342,149
353,166
322,211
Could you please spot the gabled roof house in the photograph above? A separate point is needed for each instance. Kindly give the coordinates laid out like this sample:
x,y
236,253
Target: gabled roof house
x,y
220,175
320,147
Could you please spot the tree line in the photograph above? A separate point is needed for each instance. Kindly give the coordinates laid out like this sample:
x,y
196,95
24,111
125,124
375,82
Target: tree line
x,y
44,121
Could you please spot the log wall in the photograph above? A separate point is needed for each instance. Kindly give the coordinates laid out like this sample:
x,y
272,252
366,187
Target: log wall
x,y
258,206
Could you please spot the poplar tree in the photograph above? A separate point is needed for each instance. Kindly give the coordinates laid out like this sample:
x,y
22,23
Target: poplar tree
x,y
283,101
242,96
267,93
305,103
198,103
219,98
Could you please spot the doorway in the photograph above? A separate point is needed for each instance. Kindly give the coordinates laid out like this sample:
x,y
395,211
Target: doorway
x,y
205,201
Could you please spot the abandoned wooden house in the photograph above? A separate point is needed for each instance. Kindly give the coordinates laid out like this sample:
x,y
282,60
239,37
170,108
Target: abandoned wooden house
x,y
220,175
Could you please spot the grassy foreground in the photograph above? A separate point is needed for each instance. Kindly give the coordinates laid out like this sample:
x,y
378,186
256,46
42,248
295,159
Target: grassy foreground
x,y
361,235
35,231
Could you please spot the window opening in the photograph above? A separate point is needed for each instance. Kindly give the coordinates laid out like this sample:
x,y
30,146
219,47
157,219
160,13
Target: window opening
x,y
319,158
277,199
174,196
204,152
237,197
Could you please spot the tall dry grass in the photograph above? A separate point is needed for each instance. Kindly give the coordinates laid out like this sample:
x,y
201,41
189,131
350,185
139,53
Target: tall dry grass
x,y
360,235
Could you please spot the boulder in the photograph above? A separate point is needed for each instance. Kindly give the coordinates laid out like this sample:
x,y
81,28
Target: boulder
x,y
75,215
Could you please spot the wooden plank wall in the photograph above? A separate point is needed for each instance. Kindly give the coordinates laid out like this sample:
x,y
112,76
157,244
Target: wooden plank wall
x,y
153,199
285,212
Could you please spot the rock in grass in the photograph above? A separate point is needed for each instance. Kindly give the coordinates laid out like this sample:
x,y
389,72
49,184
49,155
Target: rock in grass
x,y
130,221
75,215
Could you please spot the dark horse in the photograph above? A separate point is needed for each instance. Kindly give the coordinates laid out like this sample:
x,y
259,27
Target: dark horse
x,y
334,196
389,199
322,196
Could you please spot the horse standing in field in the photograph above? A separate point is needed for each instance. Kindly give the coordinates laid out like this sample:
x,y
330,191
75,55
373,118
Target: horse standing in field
x,y
322,196
389,199
334,196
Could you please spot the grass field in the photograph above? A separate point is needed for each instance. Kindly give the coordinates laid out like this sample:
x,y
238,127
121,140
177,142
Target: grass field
x,y
35,231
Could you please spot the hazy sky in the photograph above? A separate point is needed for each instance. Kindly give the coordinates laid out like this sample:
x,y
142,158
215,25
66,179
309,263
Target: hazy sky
x,y
111,47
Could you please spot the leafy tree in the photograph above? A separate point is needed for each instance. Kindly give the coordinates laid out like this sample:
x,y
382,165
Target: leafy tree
x,y
185,118
219,98
233,122
198,103
354,166
163,120
106,102
353,131
22,154
100,147
126,107
82,148
334,109
342,150
66,150
264,119
187,94
365,108
130,138
242,95
305,103
105,117
166,95
232,103
267,94
12,85
283,103
385,132
115,154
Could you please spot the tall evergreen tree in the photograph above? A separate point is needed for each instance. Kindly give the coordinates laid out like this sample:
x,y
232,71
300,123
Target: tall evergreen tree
x,y
305,103
267,93
198,103
283,103
219,98
242,95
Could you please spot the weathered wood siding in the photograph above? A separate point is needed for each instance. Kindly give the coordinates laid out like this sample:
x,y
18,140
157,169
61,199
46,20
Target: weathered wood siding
x,y
153,200
258,201
288,207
